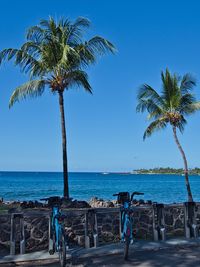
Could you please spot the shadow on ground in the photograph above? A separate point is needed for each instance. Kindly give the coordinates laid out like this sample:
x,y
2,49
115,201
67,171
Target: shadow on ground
x,y
179,257
189,257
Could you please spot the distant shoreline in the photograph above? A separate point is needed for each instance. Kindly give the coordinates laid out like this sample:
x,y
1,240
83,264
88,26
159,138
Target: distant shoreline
x,y
167,171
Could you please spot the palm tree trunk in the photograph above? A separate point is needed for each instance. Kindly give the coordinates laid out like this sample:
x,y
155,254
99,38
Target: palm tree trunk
x,y
64,146
190,198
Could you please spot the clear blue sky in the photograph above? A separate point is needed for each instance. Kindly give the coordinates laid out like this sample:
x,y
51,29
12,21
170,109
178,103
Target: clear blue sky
x,y
104,131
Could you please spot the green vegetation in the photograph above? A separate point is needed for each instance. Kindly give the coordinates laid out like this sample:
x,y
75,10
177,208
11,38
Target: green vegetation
x,y
168,170
55,55
170,108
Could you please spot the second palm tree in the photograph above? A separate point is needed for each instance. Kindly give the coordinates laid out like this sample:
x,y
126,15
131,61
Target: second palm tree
x,y
170,107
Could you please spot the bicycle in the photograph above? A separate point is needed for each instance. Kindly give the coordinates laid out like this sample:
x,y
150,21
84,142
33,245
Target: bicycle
x,y
125,200
57,233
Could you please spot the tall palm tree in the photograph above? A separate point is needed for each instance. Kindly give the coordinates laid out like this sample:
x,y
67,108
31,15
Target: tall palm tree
x,y
170,107
54,55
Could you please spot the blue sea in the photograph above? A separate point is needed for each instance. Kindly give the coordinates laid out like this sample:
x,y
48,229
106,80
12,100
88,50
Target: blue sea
x,y
83,186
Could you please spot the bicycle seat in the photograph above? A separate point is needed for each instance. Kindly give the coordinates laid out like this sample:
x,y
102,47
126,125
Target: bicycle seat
x,y
53,201
123,197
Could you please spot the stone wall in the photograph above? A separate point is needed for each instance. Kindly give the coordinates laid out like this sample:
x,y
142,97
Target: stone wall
x,y
174,221
143,224
36,227
4,232
36,233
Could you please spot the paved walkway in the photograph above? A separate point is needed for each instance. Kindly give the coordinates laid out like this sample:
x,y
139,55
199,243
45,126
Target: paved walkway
x,y
176,252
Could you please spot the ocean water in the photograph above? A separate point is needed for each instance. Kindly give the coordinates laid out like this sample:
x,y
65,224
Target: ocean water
x,y
83,186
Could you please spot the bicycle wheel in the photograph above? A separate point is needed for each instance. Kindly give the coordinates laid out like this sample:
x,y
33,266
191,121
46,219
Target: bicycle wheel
x,y
62,250
127,239
126,247
53,248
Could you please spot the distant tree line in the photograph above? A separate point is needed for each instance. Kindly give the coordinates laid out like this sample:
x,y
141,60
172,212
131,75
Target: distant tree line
x,y
168,170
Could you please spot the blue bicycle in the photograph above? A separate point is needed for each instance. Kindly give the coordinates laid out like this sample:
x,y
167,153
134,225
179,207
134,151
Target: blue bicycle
x,y
57,233
125,200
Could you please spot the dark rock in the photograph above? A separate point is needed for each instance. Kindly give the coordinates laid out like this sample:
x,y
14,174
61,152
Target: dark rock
x,y
4,219
178,232
66,203
144,218
30,243
27,234
169,219
78,227
68,222
5,236
178,224
79,232
108,220
116,230
141,233
116,222
76,221
107,237
106,228
6,227
141,201
37,234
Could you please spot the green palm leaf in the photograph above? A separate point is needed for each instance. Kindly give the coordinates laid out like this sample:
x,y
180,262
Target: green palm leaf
x,y
154,126
78,78
30,89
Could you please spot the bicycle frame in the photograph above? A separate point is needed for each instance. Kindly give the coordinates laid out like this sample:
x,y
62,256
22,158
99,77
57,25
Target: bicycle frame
x,y
58,241
126,222
125,199
56,225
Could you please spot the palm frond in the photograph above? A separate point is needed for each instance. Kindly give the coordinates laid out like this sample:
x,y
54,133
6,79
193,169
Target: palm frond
x,y
32,88
147,92
171,91
70,59
100,46
181,124
86,56
35,34
190,108
78,78
97,46
8,54
49,25
187,83
148,105
76,30
154,126
82,22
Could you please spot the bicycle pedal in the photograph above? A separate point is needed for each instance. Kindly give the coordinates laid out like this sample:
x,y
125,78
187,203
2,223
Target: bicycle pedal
x,y
51,252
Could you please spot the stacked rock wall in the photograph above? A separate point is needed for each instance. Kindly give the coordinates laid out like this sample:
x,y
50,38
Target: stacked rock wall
x,y
174,221
37,227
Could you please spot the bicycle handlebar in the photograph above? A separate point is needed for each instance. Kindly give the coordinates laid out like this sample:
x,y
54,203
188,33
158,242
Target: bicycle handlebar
x,y
44,199
136,193
132,195
52,200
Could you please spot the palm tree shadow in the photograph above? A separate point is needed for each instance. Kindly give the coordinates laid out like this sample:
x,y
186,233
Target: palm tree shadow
x,y
189,257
